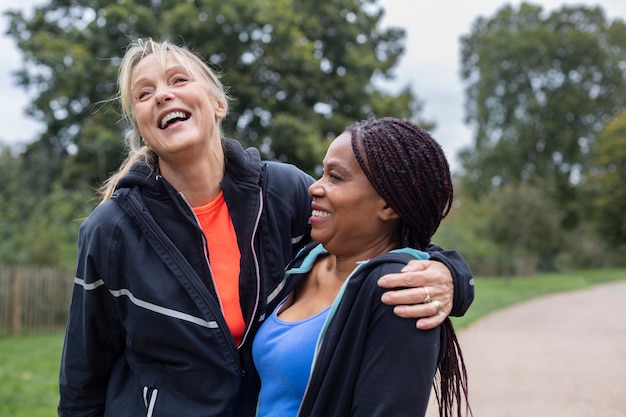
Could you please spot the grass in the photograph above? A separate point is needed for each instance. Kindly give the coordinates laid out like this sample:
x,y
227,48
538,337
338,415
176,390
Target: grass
x,y
29,368
29,365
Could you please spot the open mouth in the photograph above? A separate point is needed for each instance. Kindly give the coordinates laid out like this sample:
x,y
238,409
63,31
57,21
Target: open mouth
x,y
173,117
319,213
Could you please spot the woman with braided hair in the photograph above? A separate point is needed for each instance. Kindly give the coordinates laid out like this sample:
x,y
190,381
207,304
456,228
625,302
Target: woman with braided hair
x,y
331,348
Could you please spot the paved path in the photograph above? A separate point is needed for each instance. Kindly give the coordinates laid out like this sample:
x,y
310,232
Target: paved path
x,y
559,355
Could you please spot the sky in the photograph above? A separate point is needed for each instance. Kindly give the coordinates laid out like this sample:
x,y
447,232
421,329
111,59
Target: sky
x,y
430,64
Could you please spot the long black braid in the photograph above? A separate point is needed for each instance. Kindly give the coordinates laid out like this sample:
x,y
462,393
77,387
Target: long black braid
x,y
409,170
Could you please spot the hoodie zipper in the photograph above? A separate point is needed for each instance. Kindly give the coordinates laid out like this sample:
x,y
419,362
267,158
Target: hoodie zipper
x,y
174,257
254,257
257,270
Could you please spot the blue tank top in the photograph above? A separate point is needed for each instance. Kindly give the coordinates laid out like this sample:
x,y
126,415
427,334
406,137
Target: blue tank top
x,y
283,354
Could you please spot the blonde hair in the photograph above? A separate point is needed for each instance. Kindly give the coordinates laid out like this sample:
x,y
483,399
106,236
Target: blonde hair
x,y
136,51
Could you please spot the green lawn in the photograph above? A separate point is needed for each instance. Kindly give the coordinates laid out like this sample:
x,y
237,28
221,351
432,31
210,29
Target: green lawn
x,y
29,368
29,364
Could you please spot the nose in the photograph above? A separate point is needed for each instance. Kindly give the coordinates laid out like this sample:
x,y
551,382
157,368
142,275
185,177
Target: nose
x,y
316,189
163,95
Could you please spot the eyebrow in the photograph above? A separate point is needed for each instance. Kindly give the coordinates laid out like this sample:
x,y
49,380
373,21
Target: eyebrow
x,y
335,165
169,70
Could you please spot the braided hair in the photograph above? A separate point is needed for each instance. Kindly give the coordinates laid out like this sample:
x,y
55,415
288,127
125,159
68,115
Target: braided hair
x,y
409,170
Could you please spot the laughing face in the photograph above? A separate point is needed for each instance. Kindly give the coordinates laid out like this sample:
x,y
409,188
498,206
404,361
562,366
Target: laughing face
x,y
175,112
348,215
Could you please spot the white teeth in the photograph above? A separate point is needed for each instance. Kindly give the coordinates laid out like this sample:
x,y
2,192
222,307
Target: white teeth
x,y
170,116
319,213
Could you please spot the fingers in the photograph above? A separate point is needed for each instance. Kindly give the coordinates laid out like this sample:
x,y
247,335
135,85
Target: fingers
x,y
439,306
431,322
415,266
417,274
435,308
407,296
426,292
430,315
442,293
427,298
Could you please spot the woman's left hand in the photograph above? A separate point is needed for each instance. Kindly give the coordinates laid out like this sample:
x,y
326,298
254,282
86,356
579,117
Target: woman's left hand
x,y
427,295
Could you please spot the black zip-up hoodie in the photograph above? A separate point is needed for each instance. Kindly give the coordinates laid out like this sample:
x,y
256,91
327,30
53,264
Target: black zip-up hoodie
x,y
368,362
145,332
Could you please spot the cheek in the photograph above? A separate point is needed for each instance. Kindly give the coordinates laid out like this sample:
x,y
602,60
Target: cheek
x,y
141,119
142,113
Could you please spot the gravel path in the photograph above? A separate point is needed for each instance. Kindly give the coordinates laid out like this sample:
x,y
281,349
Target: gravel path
x,y
559,355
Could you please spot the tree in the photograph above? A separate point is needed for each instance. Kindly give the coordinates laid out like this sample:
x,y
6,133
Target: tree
x,y
462,229
539,89
299,71
605,182
525,224
37,228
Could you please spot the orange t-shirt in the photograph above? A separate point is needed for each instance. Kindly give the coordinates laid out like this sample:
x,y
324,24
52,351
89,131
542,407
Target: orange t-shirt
x,y
224,258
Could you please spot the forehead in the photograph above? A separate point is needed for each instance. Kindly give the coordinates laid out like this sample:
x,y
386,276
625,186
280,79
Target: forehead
x,y
340,152
155,65
340,145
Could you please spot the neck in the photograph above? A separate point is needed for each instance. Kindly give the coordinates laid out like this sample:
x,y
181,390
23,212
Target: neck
x,y
344,263
199,179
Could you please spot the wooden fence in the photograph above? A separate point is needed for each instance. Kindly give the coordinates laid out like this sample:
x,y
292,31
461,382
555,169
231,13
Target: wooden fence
x,y
33,299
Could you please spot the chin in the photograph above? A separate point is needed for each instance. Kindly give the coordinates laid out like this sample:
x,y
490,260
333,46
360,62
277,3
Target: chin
x,y
317,237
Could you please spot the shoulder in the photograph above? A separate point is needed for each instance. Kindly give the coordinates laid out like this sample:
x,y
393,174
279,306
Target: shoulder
x,y
282,172
393,261
284,183
103,213
389,263
104,220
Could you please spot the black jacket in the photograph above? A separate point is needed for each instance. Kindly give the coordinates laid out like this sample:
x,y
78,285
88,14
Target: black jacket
x,y
145,333
369,362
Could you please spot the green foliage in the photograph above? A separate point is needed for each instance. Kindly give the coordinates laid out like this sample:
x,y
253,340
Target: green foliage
x,y
539,88
585,247
606,180
293,67
460,230
298,73
524,222
515,230
39,224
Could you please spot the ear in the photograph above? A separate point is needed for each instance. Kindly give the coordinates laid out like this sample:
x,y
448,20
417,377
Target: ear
x,y
220,109
386,213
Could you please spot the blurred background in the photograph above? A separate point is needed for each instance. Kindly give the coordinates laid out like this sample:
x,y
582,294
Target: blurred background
x,y
528,100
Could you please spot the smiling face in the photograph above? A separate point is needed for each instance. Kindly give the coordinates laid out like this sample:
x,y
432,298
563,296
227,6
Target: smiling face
x,y
174,110
349,216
